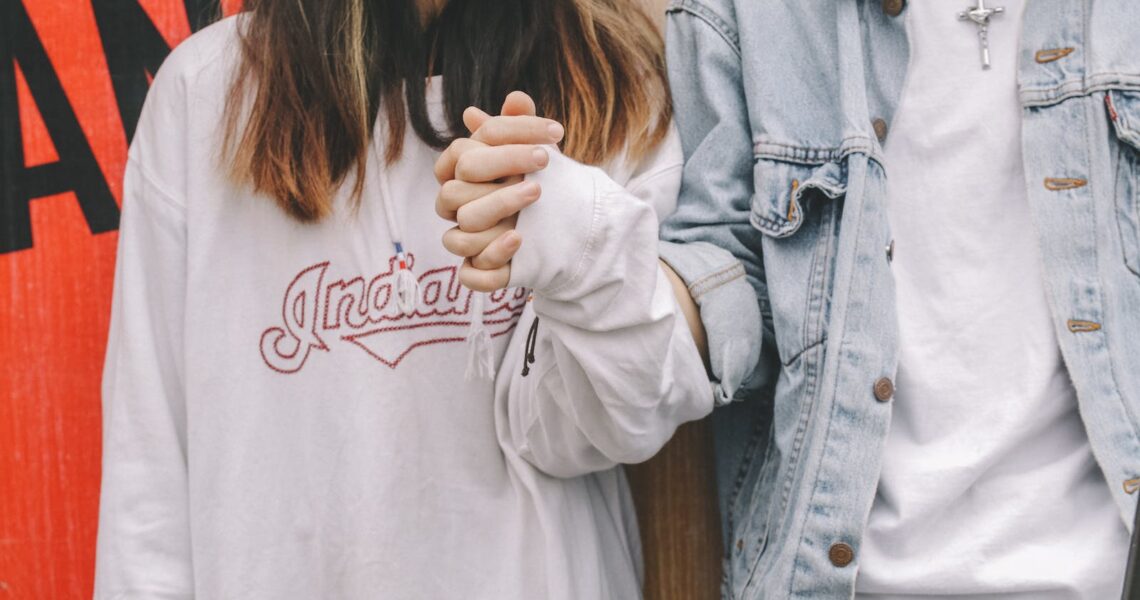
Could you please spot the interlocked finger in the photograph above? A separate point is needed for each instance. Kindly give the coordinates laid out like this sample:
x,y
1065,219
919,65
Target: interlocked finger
x,y
484,281
498,253
484,213
462,243
498,131
489,163
455,193
445,164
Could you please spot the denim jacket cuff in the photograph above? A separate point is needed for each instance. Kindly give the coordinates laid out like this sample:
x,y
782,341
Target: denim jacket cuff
x,y
728,307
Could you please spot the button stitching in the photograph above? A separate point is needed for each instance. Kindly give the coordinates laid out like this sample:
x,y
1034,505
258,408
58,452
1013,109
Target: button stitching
x,y
1052,54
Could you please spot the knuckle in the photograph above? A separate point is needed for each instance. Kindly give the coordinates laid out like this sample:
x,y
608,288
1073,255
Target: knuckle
x,y
463,244
471,278
469,219
488,259
444,209
456,146
502,278
450,243
449,193
492,130
464,169
470,245
463,218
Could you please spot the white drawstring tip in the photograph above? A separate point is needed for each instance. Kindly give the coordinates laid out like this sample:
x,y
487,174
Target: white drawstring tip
x,y
480,354
407,291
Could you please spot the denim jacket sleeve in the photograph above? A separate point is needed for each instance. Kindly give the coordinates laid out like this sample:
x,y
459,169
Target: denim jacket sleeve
x,y
709,240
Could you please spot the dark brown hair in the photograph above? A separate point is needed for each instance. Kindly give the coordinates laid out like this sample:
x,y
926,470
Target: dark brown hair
x,y
315,75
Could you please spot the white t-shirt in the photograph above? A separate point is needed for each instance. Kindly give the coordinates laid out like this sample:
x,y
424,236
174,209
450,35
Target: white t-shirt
x,y
988,487
276,428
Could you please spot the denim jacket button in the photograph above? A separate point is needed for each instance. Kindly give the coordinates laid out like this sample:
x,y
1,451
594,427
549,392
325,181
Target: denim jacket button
x,y
880,127
884,389
893,8
841,554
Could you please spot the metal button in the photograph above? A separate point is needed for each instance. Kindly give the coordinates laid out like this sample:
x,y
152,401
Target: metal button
x,y
880,127
884,389
841,554
893,8
891,251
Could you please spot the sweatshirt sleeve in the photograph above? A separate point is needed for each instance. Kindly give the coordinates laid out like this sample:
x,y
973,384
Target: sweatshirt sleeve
x,y
143,548
611,368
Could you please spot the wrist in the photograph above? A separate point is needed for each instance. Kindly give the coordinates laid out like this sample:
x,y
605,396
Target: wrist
x,y
558,228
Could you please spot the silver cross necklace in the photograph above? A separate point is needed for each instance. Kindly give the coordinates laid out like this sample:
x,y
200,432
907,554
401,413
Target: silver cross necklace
x,y
980,15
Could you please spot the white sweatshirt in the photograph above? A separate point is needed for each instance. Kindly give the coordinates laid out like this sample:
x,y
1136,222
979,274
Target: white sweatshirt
x,y
274,426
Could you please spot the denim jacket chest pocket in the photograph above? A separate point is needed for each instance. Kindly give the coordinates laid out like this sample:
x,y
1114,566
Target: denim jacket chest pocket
x,y
1124,112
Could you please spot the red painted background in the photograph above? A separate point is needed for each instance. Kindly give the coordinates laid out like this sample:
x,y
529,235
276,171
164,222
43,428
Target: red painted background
x,y
55,288
73,74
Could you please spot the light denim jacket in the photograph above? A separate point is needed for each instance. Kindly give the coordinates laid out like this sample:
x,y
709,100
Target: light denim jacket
x,y
784,175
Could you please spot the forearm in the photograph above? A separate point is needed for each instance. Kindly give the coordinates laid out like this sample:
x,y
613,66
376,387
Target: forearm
x,y
689,309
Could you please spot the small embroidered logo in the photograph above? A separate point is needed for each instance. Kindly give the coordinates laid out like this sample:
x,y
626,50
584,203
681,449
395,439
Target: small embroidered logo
x,y
366,315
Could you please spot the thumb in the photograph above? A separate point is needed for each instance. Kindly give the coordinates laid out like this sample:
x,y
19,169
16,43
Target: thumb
x,y
518,104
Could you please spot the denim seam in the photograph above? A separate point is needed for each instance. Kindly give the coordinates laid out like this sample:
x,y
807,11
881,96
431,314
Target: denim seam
x,y
810,375
843,340
810,393
765,465
742,472
1121,203
808,348
817,291
808,155
704,13
1045,96
714,281
1093,186
773,227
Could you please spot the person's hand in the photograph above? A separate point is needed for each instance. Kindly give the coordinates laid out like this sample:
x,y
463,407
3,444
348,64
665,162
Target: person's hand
x,y
482,188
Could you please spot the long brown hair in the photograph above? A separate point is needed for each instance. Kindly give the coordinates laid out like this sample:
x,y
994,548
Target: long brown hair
x,y
315,74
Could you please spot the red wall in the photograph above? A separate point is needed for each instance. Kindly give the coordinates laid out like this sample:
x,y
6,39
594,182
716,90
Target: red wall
x,y
63,147
73,74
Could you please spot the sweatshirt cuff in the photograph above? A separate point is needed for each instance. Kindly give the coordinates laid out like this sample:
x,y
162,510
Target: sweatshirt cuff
x,y
729,311
557,231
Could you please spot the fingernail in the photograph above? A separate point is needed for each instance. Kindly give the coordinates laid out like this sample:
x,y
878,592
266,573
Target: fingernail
x,y
556,131
540,157
530,189
513,241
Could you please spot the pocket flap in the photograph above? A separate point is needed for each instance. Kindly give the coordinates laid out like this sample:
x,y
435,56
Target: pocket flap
x,y
785,190
1124,110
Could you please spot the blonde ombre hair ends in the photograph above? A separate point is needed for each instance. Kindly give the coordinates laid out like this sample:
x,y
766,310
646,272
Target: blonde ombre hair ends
x,y
315,76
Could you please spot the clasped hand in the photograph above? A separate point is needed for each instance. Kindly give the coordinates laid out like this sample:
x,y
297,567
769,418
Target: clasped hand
x,y
482,187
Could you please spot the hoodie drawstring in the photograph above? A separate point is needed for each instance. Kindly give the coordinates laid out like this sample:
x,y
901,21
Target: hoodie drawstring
x,y
480,354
